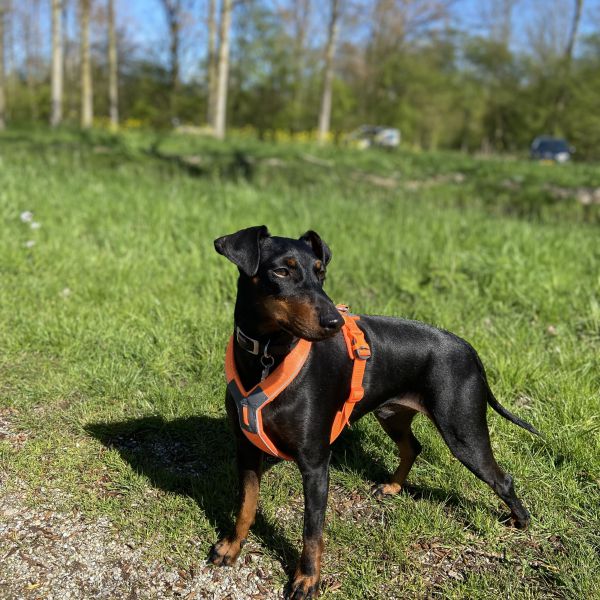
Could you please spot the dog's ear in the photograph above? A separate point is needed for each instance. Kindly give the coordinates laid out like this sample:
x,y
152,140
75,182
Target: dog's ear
x,y
243,248
319,247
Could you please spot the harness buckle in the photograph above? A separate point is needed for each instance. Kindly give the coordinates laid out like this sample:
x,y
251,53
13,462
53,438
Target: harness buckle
x,y
360,349
356,395
246,342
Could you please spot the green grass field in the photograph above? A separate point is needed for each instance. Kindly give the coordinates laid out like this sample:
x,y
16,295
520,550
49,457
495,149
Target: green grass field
x,y
113,326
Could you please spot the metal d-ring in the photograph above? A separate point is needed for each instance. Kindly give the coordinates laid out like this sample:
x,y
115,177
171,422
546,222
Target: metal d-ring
x,y
267,361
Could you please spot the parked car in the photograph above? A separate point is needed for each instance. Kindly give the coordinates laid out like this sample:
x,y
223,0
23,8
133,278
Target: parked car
x,y
368,136
551,148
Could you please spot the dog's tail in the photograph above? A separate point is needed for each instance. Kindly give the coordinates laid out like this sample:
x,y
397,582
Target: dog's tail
x,y
508,415
496,405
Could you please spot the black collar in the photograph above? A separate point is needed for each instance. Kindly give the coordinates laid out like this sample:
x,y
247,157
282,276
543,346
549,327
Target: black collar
x,y
277,345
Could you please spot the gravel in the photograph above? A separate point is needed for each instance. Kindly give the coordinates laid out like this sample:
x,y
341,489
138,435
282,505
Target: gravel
x,y
62,556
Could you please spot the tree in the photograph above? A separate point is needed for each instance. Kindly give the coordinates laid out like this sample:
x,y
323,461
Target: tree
x,y
2,73
497,19
573,33
223,70
87,108
30,11
552,36
57,64
173,12
332,33
113,75
211,63
566,63
296,15
261,74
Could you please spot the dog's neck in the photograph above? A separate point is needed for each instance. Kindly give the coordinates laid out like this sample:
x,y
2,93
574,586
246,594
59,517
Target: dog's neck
x,y
276,343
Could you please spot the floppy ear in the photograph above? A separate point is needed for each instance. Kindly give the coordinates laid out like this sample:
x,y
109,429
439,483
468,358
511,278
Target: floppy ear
x,y
319,247
243,248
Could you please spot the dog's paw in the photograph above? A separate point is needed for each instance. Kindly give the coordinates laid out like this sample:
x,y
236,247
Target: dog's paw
x,y
303,587
519,522
385,490
225,552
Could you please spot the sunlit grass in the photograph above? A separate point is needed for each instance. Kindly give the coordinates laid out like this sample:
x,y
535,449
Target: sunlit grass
x,y
114,322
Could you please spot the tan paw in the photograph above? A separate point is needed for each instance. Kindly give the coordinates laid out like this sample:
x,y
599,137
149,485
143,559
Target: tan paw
x,y
386,489
225,552
519,522
303,587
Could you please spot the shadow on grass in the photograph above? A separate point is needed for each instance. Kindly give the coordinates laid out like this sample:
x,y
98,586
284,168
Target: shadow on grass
x,y
195,456
349,455
103,149
234,166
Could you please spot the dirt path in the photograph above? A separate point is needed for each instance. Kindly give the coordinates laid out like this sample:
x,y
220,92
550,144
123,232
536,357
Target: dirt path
x,y
52,555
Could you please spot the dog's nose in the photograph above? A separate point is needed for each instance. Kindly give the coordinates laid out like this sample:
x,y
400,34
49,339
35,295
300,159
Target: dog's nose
x,y
330,321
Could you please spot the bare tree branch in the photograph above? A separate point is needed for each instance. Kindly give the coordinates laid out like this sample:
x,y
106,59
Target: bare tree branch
x,y
113,72
87,107
57,64
326,98
3,10
223,73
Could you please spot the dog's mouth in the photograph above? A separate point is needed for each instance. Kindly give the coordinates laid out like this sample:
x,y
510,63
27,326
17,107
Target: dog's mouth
x,y
307,333
301,319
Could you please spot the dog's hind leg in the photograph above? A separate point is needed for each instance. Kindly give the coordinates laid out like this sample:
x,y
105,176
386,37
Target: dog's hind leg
x,y
460,417
396,422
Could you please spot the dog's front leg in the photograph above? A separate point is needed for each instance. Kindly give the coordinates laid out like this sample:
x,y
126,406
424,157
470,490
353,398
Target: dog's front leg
x,y
315,480
249,464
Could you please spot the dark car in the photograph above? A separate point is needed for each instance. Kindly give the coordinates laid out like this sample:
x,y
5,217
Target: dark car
x,y
551,148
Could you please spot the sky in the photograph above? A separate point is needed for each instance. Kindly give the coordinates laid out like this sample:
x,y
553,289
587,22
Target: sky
x,y
150,21
469,12
145,21
145,25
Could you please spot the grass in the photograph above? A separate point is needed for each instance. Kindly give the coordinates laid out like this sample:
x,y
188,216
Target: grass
x,y
113,327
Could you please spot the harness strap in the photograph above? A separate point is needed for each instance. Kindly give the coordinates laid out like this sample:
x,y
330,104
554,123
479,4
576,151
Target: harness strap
x,y
359,352
250,404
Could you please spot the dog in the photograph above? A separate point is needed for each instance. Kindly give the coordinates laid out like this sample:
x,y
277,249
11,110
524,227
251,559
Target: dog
x,y
412,368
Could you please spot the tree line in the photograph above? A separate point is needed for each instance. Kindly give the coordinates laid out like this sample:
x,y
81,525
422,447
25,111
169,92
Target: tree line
x,y
304,65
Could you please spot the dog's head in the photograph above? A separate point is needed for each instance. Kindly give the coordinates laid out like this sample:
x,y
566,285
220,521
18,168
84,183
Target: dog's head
x,y
282,280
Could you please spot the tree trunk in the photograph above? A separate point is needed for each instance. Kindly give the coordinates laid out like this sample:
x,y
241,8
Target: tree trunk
x,y
174,51
561,99
57,64
31,39
211,67
223,73
2,74
172,10
113,75
87,109
573,34
70,69
301,19
325,112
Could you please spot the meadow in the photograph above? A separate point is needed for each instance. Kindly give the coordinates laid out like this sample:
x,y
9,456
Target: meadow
x,y
115,313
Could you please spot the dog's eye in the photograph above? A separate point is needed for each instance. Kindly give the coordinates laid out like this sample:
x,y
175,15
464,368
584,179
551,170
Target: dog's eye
x,y
281,272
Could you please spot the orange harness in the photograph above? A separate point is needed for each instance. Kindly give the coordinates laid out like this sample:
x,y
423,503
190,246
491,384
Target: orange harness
x,y
250,404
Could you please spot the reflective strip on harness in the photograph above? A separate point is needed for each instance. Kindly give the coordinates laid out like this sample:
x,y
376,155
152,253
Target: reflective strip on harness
x,y
250,404
247,406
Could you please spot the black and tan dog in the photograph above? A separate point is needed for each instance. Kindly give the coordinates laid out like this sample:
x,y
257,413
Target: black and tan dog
x,y
413,368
